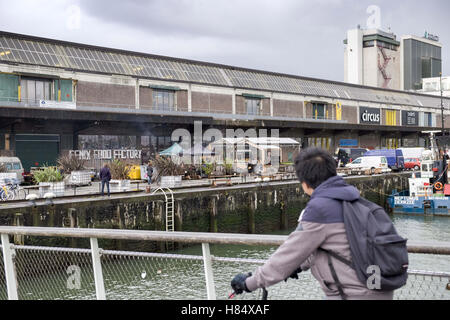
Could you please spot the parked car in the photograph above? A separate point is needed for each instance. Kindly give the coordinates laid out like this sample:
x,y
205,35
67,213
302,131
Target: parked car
x,y
346,155
394,157
412,163
13,165
371,163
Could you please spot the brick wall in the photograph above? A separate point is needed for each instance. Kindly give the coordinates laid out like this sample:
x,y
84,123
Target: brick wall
x,y
110,95
288,108
213,102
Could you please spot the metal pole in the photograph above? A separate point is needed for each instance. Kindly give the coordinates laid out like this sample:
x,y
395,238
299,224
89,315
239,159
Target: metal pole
x,y
442,102
11,282
98,274
207,262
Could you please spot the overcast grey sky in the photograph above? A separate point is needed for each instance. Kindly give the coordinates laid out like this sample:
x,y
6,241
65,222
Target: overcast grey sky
x,y
289,36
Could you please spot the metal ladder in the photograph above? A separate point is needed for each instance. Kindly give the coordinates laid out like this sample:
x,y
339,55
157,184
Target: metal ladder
x,y
170,207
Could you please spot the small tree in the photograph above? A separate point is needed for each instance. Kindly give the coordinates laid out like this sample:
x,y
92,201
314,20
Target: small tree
x,y
68,163
119,170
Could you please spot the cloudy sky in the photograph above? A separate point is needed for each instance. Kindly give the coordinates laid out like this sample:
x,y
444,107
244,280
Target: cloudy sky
x,y
290,36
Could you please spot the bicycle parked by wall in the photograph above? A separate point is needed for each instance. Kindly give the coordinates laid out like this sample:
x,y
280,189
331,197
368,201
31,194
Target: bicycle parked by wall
x,y
11,190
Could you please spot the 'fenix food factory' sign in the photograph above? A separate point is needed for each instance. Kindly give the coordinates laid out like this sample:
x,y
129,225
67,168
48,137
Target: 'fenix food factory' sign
x,y
106,154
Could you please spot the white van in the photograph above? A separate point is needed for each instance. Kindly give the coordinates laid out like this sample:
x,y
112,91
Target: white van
x,y
412,152
13,165
372,163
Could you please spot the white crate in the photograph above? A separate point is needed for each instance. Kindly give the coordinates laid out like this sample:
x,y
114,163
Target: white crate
x,y
80,178
170,181
57,188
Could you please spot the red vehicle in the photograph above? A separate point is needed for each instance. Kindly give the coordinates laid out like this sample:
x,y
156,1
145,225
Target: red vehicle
x,y
412,163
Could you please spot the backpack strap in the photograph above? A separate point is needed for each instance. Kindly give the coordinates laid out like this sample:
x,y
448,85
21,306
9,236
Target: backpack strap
x,y
337,257
333,271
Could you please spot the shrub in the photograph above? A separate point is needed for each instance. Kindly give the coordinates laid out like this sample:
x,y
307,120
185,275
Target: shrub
x,y
48,174
166,167
3,167
228,166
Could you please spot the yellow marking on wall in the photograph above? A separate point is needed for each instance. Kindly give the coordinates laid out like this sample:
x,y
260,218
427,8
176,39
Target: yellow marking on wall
x,y
338,111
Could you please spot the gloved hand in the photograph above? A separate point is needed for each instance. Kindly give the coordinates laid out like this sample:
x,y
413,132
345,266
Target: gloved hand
x,y
294,274
238,283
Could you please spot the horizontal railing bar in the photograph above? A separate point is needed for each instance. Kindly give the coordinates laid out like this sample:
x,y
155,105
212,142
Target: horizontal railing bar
x,y
441,248
143,235
188,257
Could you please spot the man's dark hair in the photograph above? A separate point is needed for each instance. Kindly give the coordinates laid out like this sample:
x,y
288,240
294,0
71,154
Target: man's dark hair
x,y
314,166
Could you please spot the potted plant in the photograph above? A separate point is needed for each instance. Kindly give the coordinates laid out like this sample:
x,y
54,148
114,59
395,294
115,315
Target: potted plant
x,y
49,179
228,167
120,171
168,173
74,168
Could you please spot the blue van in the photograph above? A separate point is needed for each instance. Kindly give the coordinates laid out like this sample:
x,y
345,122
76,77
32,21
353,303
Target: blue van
x,y
394,157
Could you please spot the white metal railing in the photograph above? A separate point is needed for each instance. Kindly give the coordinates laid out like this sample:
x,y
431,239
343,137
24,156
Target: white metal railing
x,y
19,263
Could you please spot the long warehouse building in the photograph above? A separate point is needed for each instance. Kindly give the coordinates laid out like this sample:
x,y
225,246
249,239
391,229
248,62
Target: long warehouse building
x,y
57,96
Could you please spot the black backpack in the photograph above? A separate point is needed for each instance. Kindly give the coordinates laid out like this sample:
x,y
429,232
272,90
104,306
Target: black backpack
x,y
375,246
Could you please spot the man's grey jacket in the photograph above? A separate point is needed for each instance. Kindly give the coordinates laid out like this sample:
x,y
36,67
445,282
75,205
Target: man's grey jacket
x,y
321,224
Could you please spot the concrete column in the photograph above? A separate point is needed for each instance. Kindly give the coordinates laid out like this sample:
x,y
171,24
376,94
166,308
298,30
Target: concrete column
x,y
271,104
136,95
7,141
233,104
189,92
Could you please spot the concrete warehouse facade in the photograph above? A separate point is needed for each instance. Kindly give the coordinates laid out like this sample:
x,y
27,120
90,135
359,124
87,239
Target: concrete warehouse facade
x,y
57,96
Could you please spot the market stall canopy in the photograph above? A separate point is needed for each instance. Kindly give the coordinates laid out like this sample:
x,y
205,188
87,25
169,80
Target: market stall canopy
x,y
174,150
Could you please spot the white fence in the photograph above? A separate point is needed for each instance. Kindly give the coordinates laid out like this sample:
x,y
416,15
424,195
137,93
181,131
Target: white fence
x,y
42,272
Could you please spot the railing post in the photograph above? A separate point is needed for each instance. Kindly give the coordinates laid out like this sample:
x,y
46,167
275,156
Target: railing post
x,y
11,283
98,274
207,263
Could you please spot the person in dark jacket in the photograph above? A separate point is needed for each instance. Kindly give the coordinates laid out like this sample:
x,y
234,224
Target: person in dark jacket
x,y
105,177
149,172
321,225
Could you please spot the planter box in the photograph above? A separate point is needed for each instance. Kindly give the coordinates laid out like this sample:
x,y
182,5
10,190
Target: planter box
x,y
119,185
170,181
79,178
57,188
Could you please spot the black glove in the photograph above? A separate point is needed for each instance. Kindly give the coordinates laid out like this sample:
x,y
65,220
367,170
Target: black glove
x,y
238,283
294,274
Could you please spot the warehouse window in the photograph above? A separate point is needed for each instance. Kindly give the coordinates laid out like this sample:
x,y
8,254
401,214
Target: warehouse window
x,y
163,99
319,111
253,106
35,90
427,119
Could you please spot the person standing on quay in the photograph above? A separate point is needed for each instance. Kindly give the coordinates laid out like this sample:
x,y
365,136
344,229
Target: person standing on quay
x,y
105,177
149,173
